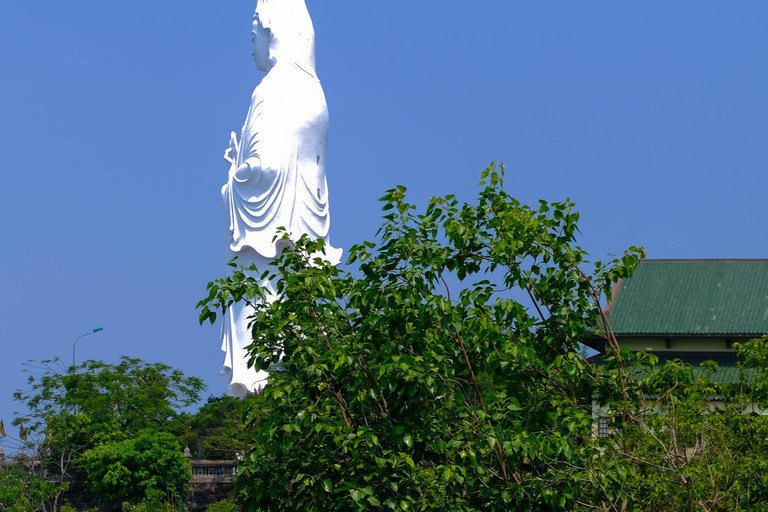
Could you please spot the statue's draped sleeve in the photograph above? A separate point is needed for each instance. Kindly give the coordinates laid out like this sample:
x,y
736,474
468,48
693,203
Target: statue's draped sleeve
x,y
287,186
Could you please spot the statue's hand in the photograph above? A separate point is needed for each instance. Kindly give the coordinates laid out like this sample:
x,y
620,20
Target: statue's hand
x,y
230,155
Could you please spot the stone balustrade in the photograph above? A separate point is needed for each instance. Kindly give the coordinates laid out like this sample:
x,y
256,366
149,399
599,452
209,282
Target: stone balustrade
x,y
213,468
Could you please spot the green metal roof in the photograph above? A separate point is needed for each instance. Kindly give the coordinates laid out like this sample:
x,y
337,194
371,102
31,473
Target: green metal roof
x,y
727,371
693,297
724,374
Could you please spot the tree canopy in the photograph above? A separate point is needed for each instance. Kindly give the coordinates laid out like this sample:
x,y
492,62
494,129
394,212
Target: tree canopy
x,y
441,370
117,399
218,426
135,469
407,393
80,417
20,491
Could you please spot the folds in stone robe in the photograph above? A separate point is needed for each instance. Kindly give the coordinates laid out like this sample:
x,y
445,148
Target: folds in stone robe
x,y
284,141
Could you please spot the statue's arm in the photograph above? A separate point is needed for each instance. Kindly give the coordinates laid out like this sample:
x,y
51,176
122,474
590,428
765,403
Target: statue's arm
x,y
250,170
246,171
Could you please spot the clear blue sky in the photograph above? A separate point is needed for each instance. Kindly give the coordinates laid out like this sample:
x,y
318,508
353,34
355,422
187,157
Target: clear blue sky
x,y
652,116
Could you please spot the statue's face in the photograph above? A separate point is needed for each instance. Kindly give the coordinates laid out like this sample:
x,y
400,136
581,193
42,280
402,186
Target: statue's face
x,y
260,37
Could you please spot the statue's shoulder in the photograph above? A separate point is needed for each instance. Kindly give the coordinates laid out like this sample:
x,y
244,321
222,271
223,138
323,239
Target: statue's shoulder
x,y
276,83
288,83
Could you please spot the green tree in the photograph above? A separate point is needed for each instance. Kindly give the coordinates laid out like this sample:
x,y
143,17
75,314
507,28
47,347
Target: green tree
x,y
696,442
223,506
117,399
406,394
138,469
74,409
219,425
153,504
20,491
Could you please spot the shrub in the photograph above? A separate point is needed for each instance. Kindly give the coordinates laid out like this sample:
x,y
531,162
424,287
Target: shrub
x,y
223,506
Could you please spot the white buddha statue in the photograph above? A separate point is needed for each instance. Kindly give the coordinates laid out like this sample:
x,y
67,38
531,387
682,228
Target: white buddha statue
x,y
277,172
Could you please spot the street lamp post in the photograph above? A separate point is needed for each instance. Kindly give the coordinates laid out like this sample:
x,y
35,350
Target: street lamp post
x,y
94,331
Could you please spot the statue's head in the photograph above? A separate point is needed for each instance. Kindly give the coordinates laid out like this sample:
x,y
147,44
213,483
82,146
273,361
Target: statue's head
x,y
282,30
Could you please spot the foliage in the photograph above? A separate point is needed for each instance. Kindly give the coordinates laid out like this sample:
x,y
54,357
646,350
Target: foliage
x,y
219,424
138,469
74,409
404,395
21,491
154,502
223,506
69,508
110,400
696,444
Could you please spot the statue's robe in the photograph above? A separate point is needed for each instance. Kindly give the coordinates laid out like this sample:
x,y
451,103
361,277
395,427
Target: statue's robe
x,y
284,140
